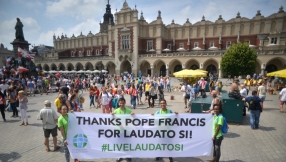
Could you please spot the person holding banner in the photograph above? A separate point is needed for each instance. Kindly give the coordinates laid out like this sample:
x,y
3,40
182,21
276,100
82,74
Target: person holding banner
x,y
63,126
217,133
104,99
122,110
164,110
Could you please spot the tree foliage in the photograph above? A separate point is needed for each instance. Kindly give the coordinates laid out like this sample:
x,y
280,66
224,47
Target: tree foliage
x,y
238,60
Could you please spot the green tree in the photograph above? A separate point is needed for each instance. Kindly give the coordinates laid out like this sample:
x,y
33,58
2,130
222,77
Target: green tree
x,y
238,60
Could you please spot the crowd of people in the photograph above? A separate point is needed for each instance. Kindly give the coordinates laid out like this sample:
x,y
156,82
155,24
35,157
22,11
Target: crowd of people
x,y
109,92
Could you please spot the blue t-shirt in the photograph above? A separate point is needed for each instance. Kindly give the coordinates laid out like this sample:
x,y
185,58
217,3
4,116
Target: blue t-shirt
x,y
192,93
257,103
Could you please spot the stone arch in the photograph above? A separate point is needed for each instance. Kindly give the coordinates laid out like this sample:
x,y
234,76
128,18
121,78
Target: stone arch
x,y
46,67
145,67
39,66
192,64
88,66
62,67
78,66
174,66
258,66
99,65
70,67
274,64
159,68
54,67
125,67
110,67
211,65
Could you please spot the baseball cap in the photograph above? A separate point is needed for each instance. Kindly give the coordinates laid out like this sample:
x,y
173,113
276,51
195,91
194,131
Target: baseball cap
x,y
47,102
62,96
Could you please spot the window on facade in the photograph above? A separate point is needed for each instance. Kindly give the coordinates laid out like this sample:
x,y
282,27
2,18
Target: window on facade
x,y
88,53
106,51
169,46
52,54
72,54
211,44
125,40
149,45
228,44
80,54
247,41
97,52
181,45
273,40
196,44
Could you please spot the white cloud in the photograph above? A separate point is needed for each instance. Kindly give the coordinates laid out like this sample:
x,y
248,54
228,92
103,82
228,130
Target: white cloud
x,y
76,8
84,27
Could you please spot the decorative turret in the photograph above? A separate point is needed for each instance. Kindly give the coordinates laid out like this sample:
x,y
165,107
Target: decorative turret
x,y
159,15
258,13
219,17
54,37
173,21
141,17
281,10
238,15
203,18
107,19
188,21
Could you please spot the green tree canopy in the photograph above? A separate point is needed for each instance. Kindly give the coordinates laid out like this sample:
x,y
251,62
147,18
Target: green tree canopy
x,y
238,60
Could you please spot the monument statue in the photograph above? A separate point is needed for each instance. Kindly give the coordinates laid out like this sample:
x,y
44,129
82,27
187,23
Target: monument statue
x,y
19,30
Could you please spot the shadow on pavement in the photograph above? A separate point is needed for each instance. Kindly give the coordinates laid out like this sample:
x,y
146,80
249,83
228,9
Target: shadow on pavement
x,y
233,161
271,109
12,121
263,128
231,135
9,157
36,124
33,111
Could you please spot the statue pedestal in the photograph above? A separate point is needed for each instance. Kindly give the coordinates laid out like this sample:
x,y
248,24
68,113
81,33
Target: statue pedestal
x,y
22,43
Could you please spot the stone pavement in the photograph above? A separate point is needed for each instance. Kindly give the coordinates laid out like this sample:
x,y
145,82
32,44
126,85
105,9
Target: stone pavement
x,y
241,144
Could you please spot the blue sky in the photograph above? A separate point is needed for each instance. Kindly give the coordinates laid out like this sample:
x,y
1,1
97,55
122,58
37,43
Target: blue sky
x,y
43,18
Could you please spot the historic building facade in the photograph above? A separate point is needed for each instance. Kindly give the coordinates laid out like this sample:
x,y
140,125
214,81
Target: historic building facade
x,y
127,42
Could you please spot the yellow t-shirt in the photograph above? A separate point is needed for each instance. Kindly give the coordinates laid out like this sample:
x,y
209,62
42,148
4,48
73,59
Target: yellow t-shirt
x,y
147,87
58,103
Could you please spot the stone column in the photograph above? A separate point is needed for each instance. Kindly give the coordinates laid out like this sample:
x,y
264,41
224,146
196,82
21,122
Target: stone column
x,y
183,66
201,65
152,70
262,71
219,73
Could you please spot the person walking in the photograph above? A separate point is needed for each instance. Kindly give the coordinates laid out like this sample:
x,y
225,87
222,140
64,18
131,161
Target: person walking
x,y
151,96
133,94
23,107
49,120
217,133
282,99
255,108
12,100
2,105
91,96
164,110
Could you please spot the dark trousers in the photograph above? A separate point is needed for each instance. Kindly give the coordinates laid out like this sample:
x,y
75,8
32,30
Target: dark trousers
x,y
216,145
2,109
149,98
202,90
14,109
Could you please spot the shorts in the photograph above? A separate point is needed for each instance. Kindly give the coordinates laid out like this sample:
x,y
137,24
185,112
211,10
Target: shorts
x,y
147,94
31,89
262,98
140,94
53,131
216,88
282,102
40,87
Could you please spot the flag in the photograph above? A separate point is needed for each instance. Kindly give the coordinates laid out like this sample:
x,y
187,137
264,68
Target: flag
x,y
24,53
8,60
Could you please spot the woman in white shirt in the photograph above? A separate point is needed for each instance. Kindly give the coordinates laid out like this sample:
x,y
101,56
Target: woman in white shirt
x,y
104,99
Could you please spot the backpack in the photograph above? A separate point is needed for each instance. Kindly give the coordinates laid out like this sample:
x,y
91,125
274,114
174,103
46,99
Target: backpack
x,y
224,127
252,103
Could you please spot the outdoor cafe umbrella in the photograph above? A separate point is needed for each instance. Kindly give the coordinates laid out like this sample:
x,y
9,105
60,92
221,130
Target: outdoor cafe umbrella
x,y
22,69
189,74
200,70
279,73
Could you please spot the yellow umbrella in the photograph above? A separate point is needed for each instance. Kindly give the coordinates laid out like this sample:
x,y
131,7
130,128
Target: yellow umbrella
x,y
279,73
189,73
200,70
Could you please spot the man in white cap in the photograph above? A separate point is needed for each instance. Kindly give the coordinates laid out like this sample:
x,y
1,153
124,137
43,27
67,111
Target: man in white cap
x,y
49,119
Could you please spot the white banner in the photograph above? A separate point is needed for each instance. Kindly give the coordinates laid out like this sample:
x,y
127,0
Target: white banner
x,y
92,135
